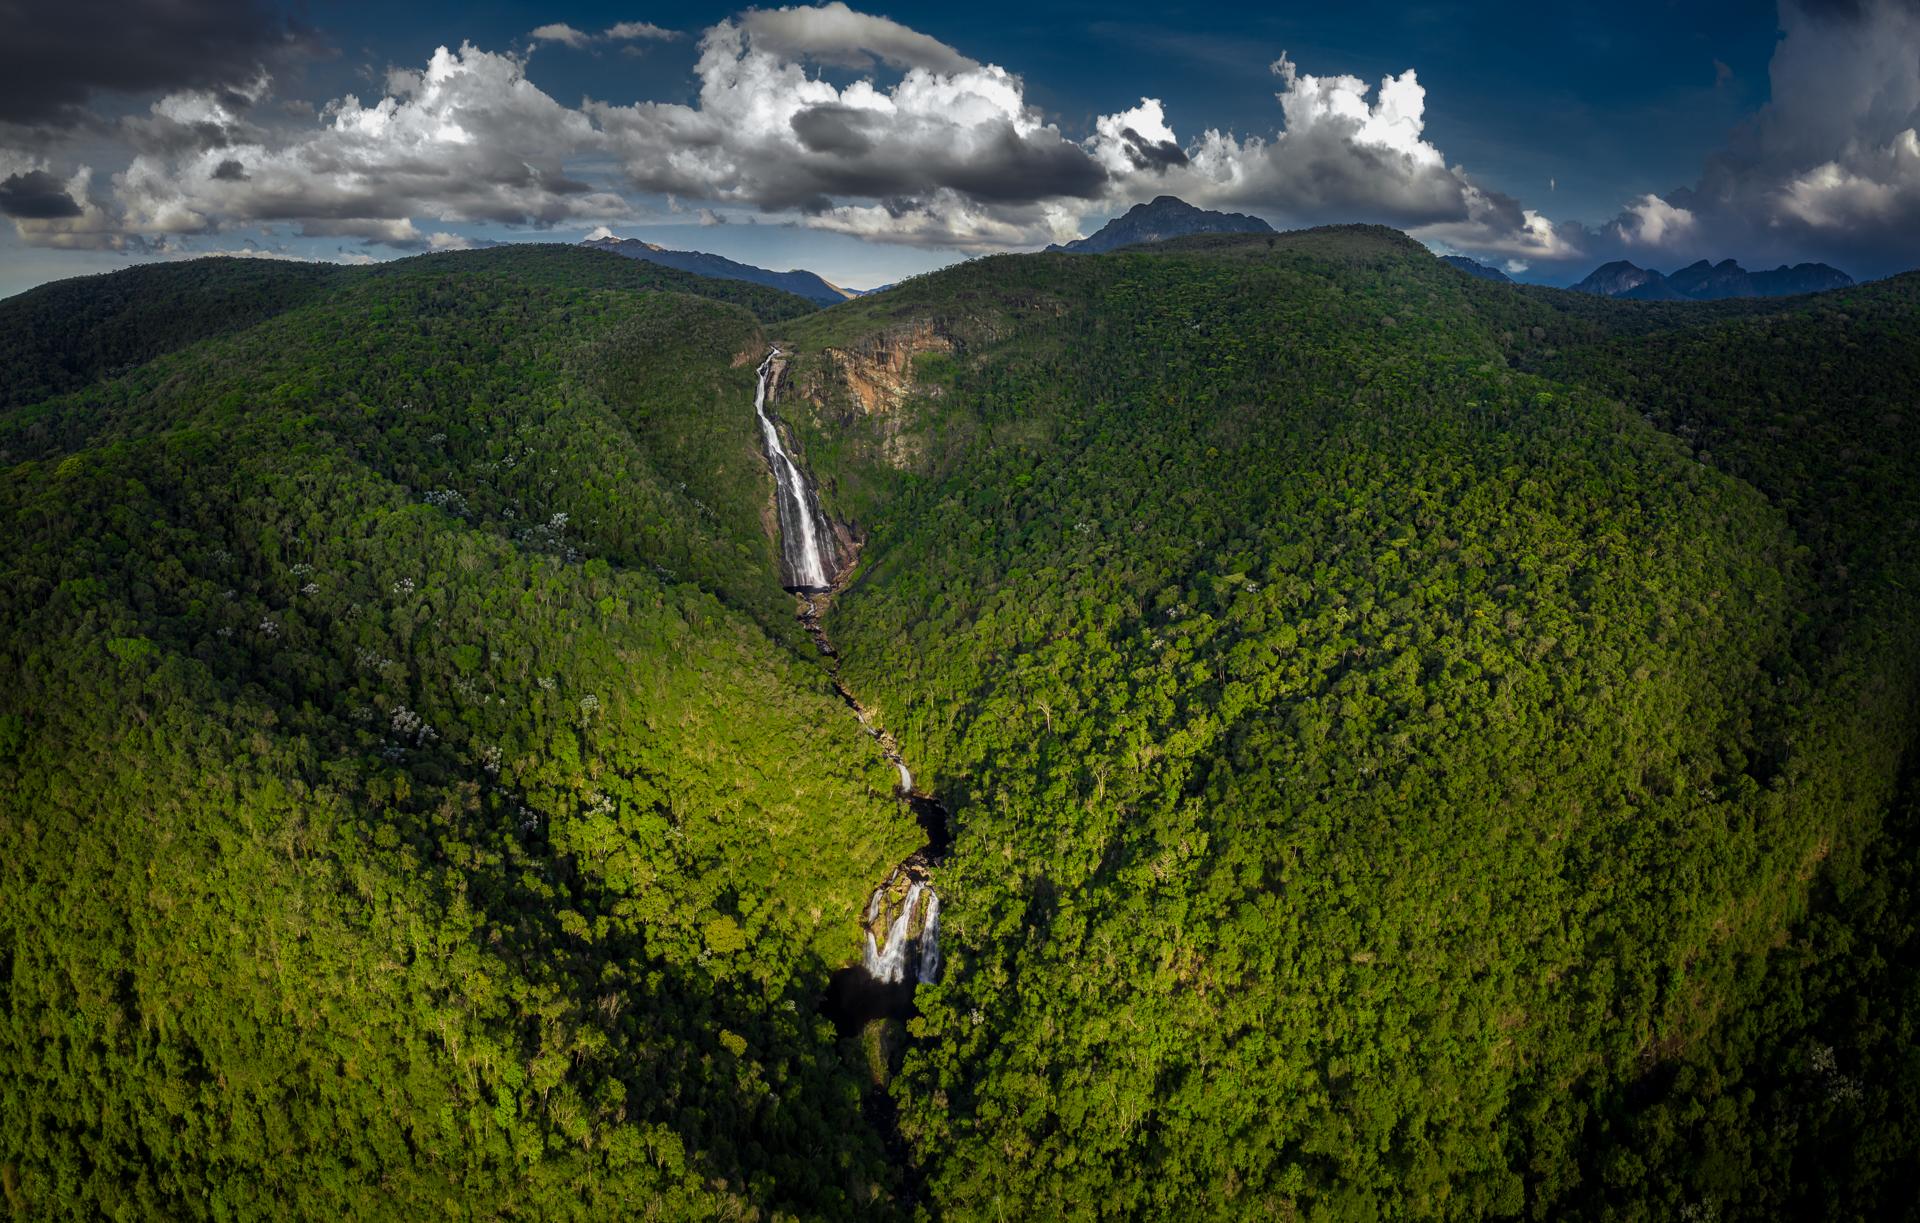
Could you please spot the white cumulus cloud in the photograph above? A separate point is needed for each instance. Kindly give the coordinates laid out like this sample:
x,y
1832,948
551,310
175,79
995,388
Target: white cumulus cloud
x,y
627,31
1340,155
1829,167
1652,222
469,138
950,154
562,33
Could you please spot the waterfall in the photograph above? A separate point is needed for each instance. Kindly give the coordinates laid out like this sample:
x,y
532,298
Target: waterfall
x,y
906,952
929,968
806,547
888,961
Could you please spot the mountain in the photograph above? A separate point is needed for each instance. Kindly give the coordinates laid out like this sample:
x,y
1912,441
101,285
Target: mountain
x,y
1616,279
1164,217
1785,281
1656,288
1705,281
1474,268
448,577
801,283
1413,746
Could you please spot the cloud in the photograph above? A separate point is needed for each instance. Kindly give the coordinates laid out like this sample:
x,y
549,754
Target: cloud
x,y
467,139
1833,160
926,146
55,57
947,218
1829,167
834,34
950,154
444,241
561,32
60,214
1653,222
619,31
36,196
627,31
1340,156
910,140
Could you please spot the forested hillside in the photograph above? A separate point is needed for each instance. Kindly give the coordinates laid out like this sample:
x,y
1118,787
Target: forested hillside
x,y
1387,720
1419,747
412,797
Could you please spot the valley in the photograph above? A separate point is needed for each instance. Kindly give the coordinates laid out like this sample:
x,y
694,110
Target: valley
x,y
1406,744
901,928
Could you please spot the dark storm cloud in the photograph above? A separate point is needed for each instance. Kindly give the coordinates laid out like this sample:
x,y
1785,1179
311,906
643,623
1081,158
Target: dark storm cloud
x,y
865,152
1152,155
57,54
230,171
833,129
1007,167
36,196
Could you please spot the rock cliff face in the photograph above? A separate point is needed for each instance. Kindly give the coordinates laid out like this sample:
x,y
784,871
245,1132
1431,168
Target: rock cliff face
x,y
873,378
878,371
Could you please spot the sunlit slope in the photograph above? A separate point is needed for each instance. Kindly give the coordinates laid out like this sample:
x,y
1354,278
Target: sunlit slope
x,y
1365,753
412,797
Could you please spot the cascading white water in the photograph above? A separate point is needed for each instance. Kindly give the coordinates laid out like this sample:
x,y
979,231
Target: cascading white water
x,y
929,967
806,549
887,961
807,555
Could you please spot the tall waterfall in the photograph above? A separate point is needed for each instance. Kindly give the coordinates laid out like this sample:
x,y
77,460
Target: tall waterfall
x,y
806,545
886,960
901,946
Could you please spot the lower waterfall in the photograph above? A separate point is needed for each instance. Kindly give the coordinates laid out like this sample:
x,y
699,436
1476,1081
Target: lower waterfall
x,y
887,957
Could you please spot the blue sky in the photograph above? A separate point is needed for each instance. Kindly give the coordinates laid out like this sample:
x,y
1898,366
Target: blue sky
x,y
871,142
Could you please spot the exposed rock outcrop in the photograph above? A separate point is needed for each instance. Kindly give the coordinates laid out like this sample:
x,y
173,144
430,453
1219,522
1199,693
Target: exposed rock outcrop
x,y
872,379
877,373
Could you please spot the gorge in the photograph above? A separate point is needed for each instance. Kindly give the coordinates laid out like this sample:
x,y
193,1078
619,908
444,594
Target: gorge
x,y
900,926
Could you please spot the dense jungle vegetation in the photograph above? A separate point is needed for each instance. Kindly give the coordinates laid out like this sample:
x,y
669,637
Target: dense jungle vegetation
x,y
1419,747
413,796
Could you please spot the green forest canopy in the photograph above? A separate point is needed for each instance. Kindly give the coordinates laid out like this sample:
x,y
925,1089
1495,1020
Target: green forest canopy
x,y
1419,747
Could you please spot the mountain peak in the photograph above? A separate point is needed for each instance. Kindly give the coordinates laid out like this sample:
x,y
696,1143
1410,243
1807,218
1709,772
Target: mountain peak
x,y
799,282
1615,278
1704,280
1475,268
1163,217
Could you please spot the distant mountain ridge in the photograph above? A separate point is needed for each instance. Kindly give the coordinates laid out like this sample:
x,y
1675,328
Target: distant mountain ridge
x,y
1705,281
1165,217
799,282
1476,269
